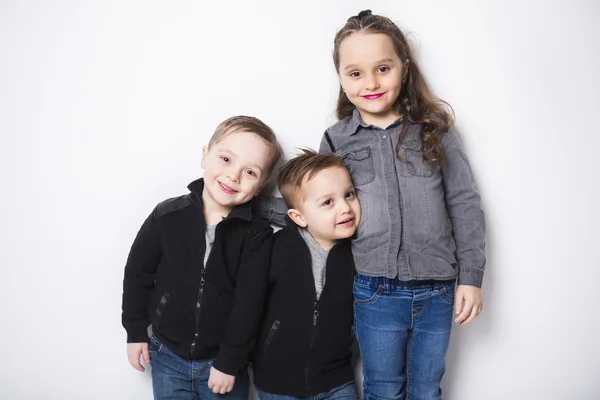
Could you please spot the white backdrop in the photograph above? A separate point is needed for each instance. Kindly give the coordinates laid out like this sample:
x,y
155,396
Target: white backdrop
x,y
104,107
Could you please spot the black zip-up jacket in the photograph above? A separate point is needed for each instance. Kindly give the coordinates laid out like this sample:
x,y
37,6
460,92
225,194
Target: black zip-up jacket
x,y
304,343
198,311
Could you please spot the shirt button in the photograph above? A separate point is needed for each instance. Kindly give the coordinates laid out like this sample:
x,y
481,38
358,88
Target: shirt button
x,y
384,136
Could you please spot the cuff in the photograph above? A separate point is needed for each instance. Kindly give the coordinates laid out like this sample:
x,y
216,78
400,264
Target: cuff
x,y
229,362
470,276
137,335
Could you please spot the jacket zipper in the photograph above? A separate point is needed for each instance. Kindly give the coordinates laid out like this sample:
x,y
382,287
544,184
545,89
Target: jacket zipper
x,y
315,319
312,342
315,323
199,298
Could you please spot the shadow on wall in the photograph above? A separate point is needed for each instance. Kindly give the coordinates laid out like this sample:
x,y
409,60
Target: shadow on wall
x,y
482,326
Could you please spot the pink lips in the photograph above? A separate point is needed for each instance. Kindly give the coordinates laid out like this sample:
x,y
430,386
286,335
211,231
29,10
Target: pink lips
x,y
348,223
226,188
373,96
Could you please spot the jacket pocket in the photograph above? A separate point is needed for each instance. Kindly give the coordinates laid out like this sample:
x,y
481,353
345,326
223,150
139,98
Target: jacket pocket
x,y
414,159
161,308
360,164
270,336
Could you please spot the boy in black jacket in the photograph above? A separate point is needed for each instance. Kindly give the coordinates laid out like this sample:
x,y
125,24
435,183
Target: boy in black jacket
x,y
198,269
305,337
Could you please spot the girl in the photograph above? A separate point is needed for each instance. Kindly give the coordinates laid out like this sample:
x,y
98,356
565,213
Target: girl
x,y
422,227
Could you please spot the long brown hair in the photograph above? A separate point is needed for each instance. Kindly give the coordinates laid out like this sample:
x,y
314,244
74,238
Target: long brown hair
x,y
415,102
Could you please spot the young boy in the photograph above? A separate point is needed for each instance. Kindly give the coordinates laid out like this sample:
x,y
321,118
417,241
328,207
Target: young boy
x,y
305,337
198,269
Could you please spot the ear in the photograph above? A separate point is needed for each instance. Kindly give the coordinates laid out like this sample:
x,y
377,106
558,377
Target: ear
x,y
204,152
297,217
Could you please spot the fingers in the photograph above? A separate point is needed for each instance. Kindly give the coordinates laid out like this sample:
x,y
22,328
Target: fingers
x,y
475,311
134,351
468,304
220,389
219,382
145,354
464,313
135,362
458,303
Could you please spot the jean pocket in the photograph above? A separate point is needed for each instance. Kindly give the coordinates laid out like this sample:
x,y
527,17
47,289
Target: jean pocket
x,y
360,165
449,290
366,294
155,347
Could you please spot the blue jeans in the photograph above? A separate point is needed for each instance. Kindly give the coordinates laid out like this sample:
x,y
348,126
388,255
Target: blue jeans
x,y
345,391
403,330
175,378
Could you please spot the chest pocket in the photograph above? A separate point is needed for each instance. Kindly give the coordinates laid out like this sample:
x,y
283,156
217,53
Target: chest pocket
x,y
414,160
360,164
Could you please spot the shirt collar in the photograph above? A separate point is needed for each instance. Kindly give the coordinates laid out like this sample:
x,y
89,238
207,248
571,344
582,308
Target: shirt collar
x,y
357,121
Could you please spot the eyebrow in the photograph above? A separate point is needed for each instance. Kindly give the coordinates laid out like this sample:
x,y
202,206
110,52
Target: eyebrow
x,y
233,154
321,198
354,66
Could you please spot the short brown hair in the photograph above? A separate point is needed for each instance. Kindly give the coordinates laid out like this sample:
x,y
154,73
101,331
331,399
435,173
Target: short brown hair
x,y
307,164
242,123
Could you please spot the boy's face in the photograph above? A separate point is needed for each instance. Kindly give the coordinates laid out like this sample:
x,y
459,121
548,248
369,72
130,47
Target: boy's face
x,y
329,210
235,169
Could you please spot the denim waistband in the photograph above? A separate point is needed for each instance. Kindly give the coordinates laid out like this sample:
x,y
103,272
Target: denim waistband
x,y
397,284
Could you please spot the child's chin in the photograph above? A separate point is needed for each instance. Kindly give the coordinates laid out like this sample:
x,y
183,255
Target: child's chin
x,y
347,235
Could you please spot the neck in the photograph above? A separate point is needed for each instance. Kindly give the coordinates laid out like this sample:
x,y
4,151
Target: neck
x,y
325,244
213,212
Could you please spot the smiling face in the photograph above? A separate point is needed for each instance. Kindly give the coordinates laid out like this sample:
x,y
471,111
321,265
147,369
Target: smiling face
x,y
329,208
371,74
235,169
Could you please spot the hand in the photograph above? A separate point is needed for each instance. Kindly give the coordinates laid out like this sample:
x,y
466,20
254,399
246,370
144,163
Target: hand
x,y
467,304
220,382
134,350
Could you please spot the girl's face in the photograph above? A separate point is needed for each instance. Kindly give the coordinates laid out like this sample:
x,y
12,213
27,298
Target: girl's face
x,y
371,74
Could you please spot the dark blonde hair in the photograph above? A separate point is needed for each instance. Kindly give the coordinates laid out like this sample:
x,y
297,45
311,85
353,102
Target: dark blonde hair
x,y
242,123
415,102
306,165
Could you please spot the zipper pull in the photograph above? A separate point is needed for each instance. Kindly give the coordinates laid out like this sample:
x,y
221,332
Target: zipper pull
x,y
315,313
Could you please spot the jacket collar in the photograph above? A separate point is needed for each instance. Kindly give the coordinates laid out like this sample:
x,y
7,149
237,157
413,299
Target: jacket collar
x,y
242,211
293,227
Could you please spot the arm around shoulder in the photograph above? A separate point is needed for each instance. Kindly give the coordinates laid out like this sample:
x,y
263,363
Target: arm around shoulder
x,y
248,303
272,209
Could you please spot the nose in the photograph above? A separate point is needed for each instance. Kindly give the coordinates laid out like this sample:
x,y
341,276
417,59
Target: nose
x,y
234,174
345,207
372,82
